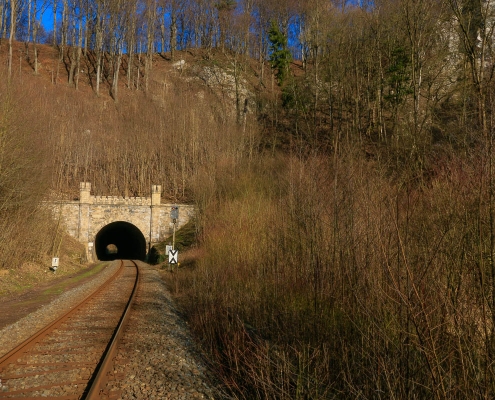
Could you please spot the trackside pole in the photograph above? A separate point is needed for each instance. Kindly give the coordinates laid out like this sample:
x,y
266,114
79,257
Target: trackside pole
x,y
173,254
173,237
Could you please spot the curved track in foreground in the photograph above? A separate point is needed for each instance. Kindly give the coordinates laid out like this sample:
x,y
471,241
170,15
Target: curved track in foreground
x,y
71,358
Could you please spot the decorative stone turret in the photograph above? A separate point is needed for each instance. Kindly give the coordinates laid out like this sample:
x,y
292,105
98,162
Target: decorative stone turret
x,y
85,193
156,195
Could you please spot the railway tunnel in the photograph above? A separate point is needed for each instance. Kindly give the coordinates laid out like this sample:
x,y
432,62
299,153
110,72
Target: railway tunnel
x,y
120,240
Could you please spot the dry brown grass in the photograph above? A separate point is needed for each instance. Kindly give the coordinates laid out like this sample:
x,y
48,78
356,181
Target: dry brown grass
x,y
326,278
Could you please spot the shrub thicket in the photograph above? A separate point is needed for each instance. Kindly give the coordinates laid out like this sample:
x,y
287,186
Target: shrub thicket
x,y
327,278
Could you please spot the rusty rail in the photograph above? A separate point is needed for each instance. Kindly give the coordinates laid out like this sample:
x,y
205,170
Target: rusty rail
x,y
93,385
97,385
31,341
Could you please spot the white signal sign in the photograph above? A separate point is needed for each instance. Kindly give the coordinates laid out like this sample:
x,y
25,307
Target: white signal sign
x,y
173,256
54,264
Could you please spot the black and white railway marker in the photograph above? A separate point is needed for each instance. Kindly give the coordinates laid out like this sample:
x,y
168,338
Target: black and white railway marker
x,y
173,256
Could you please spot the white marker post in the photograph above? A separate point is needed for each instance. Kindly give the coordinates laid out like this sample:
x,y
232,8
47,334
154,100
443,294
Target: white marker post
x,y
89,256
54,264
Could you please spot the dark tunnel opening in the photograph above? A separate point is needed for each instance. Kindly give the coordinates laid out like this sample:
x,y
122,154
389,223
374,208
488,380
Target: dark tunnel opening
x,y
120,240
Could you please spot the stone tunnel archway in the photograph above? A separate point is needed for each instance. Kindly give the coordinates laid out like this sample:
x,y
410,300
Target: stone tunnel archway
x,y
91,220
120,240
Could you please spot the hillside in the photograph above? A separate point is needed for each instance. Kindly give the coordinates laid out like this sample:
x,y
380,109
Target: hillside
x,y
344,242
138,131
54,136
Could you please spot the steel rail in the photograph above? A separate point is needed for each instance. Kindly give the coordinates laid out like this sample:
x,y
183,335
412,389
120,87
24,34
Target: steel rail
x,y
31,341
93,385
100,376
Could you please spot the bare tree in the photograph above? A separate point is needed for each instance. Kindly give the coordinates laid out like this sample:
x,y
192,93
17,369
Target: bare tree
x,y
13,20
422,20
38,11
100,25
131,42
150,20
476,22
176,8
225,10
246,21
119,17
54,11
74,18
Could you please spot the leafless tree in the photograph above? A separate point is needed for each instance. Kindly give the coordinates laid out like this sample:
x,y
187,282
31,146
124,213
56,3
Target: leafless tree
x,y
13,21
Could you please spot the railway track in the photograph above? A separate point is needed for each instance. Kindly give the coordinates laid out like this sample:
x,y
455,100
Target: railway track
x,y
72,357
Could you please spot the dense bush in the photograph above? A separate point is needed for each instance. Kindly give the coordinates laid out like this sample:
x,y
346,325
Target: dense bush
x,y
330,278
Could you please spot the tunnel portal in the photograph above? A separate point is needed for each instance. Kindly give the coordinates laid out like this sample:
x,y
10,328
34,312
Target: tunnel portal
x,y
120,240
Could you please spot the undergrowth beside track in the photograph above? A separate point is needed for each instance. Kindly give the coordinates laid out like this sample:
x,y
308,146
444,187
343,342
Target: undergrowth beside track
x,y
334,279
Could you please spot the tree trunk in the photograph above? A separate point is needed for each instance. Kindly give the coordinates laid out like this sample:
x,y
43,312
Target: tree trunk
x,y
78,56
150,48
115,80
73,52
2,20
54,8
99,45
131,44
28,37
173,32
13,11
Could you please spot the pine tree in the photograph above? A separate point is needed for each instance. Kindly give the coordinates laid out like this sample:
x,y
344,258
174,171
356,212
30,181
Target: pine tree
x,y
280,56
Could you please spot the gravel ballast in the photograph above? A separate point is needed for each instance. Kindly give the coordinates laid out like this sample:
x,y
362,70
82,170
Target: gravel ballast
x,y
16,333
158,358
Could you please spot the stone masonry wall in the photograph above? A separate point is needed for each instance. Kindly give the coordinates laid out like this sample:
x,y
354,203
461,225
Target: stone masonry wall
x,y
83,219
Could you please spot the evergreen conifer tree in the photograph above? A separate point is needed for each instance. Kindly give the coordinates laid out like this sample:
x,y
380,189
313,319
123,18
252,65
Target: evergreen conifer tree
x,y
280,56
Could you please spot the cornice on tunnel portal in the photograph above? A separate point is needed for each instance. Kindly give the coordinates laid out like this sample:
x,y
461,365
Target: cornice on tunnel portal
x,y
85,218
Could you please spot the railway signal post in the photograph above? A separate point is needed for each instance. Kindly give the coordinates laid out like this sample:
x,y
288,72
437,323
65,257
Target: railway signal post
x,y
174,214
173,254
